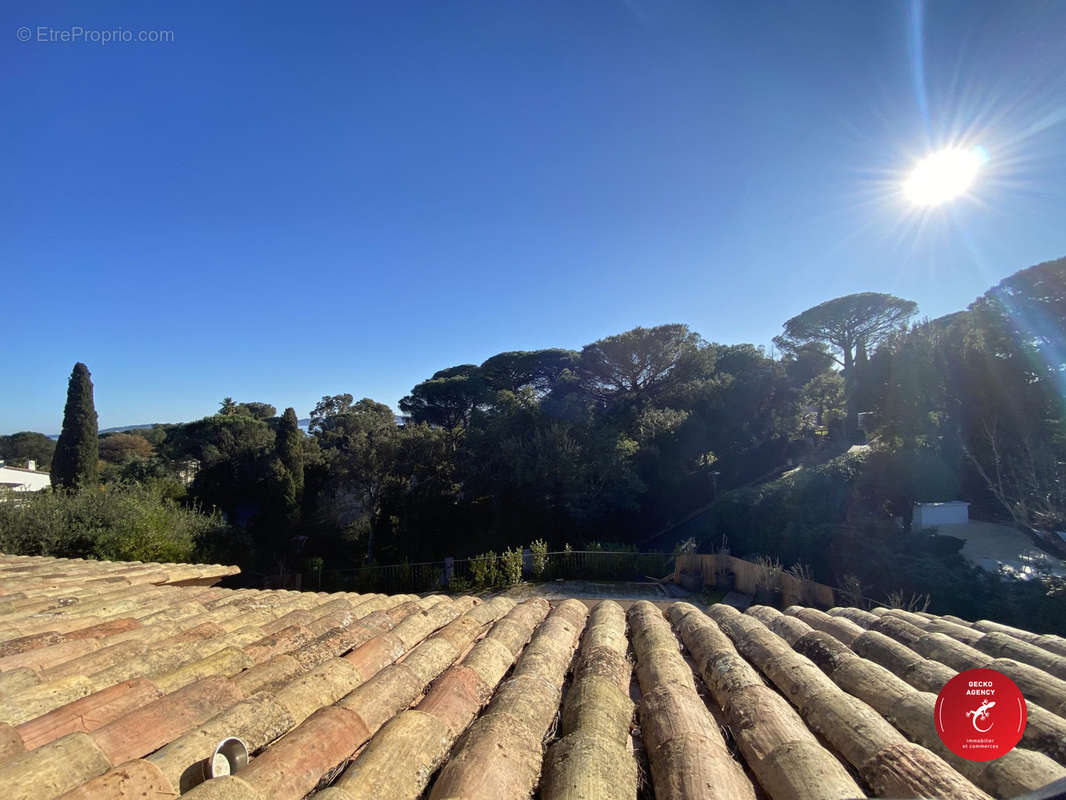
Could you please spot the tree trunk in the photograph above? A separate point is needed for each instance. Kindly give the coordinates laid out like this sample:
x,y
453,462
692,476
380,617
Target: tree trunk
x,y
851,422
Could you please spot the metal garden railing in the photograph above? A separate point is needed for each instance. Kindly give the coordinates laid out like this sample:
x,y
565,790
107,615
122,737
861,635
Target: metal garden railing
x,y
474,573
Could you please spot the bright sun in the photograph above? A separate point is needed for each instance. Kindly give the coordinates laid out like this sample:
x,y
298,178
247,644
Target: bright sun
x,y
943,176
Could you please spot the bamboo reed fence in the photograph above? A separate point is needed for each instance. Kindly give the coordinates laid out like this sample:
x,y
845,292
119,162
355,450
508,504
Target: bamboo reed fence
x,y
748,576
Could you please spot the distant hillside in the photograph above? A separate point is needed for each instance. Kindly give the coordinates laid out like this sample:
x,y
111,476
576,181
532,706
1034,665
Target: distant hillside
x,y
125,428
303,423
120,429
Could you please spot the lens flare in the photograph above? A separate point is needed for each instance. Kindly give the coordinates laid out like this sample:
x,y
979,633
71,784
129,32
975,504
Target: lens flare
x,y
944,176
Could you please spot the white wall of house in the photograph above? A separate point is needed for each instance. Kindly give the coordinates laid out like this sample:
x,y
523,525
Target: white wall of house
x,y
929,515
24,480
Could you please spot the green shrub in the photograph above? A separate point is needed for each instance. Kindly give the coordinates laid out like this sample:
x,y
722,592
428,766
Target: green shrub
x,y
511,563
539,549
367,580
565,564
400,578
121,522
484,569
944,545
458,585
611,547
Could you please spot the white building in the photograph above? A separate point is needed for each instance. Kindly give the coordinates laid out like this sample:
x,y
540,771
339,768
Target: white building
x,y
28,479
929,515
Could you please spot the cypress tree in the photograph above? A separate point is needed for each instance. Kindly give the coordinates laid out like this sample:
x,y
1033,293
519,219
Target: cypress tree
x,y
290,448
74,463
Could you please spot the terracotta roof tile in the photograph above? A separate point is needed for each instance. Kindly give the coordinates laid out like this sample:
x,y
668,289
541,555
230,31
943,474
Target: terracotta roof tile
x,y
42,657
88,713
54,768
16,680
12,742
134,780
118,680
277,643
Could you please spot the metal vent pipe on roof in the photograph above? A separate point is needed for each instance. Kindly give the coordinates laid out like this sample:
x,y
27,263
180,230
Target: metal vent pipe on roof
x,y
229,757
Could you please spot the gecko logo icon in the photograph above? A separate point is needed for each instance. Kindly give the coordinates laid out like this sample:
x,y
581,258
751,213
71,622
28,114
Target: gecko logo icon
x,y
980,714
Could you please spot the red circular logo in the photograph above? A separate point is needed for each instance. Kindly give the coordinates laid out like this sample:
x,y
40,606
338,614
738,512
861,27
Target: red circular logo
x,y
980,714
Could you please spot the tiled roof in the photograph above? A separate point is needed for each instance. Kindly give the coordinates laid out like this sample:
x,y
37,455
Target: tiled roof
x,y
121,680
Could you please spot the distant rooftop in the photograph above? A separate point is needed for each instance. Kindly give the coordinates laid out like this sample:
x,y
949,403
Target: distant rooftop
x,y
24,479
34,470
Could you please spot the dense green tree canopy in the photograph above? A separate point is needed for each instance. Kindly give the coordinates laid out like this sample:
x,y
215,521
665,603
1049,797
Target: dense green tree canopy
x,y
360,444
825,393
540,370
328,409
644,437
643,362
218,438
458,371
848,322
805,362
19,448
290,449
155,434
447,399
228,408
1028,311
121,448
257,410
849,326
974,390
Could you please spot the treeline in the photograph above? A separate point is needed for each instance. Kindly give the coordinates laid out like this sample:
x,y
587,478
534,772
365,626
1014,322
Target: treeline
x,y
608,443
975,402
971,406
645,438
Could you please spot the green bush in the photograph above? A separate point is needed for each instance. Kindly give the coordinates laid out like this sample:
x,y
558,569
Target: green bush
x,y
539,549
120,522
562,565
944,545
399,576
484,569
611,547
367,579
511,563
459,585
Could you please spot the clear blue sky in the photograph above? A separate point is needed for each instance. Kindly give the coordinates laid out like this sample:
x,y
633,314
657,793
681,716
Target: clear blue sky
x,y
290,200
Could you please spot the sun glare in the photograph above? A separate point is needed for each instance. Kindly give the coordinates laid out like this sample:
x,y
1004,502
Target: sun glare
x,y
943,176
